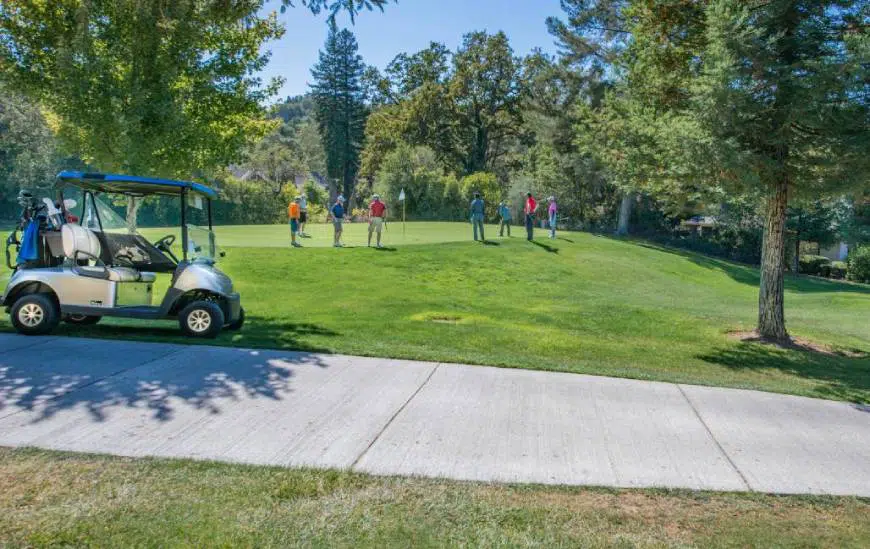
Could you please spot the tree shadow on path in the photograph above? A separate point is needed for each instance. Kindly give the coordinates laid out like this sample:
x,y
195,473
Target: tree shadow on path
x,y
838,377
55,374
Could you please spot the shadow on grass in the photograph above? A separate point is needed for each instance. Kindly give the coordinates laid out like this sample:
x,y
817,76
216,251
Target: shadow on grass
x,y
50,375
839,377
749,274
547,247
566,239
386,249
490,243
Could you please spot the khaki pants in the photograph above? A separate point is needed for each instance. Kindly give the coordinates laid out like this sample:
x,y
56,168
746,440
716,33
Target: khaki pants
x,y
376,225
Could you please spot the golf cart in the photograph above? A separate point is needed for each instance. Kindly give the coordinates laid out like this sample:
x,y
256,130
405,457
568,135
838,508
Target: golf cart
x,y
79,273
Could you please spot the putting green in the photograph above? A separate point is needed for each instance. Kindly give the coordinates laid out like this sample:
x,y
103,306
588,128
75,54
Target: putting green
x,y
355,234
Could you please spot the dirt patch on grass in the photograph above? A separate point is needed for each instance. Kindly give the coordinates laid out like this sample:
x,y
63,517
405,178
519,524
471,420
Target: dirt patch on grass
x,y
796,344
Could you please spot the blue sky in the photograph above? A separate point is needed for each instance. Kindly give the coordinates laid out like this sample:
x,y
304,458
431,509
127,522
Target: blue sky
x,y
407,26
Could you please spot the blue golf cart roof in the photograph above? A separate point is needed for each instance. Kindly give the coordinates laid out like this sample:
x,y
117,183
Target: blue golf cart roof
x,y
131,184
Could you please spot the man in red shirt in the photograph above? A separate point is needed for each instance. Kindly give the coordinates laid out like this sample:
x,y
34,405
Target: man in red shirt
x,y
377,217
529,210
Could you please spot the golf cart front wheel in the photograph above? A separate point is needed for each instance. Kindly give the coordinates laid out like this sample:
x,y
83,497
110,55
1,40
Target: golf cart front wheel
x,y
35,314
201,319
81,320
237,325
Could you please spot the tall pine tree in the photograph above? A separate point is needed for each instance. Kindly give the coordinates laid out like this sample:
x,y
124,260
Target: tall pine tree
x,y
341,111
767,97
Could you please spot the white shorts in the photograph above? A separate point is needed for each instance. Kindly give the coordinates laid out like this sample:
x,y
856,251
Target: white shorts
x,y
376,224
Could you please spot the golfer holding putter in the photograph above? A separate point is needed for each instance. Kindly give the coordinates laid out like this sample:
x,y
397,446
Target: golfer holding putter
x,y
293,214
337,213
377,218
477,209
529,210
504,212
303,215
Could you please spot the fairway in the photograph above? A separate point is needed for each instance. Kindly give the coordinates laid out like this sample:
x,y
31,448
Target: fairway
x,y
581,303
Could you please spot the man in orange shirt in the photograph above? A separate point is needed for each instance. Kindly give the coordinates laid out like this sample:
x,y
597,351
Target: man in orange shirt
x,y
293,212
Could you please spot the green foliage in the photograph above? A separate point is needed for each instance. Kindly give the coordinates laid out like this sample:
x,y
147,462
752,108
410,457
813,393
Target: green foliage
x,y
464,106
28,157
315,194
838,269
858,265
489,188
428,193
162,87
341,112
815,265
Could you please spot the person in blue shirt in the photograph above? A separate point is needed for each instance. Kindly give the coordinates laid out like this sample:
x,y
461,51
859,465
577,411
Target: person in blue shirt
x,y
504,212
477,216
337,213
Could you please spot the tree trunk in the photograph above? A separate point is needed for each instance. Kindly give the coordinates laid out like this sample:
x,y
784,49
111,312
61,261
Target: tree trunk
x,y
133,204
796,260
771,316
625,213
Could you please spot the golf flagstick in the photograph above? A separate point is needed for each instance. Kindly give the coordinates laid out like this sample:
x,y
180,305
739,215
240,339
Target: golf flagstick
x,y
402,199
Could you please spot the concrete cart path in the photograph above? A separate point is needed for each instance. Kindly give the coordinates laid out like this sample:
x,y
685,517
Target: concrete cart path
x,y
415,418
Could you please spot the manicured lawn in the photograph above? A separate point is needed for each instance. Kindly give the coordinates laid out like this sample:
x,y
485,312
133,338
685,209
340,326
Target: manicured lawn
x,y
582,303
56,499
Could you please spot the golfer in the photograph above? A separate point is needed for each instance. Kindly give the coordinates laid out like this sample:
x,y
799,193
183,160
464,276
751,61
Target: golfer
x,y
337,212
529,211
477,208
504,213
551,212
293,212
377,218
303,215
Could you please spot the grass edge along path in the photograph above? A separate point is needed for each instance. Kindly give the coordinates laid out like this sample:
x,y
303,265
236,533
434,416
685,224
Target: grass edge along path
x,y
54,498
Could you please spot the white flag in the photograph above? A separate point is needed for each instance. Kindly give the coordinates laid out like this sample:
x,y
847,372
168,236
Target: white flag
x,y
402,194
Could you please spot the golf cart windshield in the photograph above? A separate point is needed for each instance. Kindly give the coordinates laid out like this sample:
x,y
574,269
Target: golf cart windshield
x,y
201,244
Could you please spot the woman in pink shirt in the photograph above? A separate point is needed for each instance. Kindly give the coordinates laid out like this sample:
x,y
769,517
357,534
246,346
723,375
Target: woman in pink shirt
x,y
551,210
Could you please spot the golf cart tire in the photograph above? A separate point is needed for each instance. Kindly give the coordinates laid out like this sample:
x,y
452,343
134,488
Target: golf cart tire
x,y
82,320
237,325
201,319
40,306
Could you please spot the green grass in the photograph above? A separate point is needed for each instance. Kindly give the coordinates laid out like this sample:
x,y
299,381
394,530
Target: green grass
x,y
58,499
582,303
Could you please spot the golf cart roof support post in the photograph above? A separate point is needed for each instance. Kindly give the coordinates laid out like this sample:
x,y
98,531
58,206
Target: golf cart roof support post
x,y
184,224
210,224
96,211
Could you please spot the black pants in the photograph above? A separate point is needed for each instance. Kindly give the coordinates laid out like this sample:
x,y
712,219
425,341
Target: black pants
x,y
530,226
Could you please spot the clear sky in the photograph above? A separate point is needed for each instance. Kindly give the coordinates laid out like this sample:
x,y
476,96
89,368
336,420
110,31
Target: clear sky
x,y
406,26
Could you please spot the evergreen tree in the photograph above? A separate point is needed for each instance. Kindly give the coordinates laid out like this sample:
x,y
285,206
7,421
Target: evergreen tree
x,y
341,111
733,96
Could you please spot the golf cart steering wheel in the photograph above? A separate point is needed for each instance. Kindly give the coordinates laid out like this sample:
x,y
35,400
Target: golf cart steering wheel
x,y
125,260
165,245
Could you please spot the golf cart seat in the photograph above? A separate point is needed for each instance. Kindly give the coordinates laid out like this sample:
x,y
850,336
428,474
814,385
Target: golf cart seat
x,y
80,243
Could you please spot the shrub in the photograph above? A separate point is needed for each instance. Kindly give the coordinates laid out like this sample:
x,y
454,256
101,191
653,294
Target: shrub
x,y
815,265
838,269
858,265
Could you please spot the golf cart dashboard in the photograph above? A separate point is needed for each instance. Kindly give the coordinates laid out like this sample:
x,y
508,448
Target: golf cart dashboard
x,y
132,250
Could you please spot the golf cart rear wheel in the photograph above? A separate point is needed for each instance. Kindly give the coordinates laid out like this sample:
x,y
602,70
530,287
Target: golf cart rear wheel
x,y
201,319
81,320
35,314
237,325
